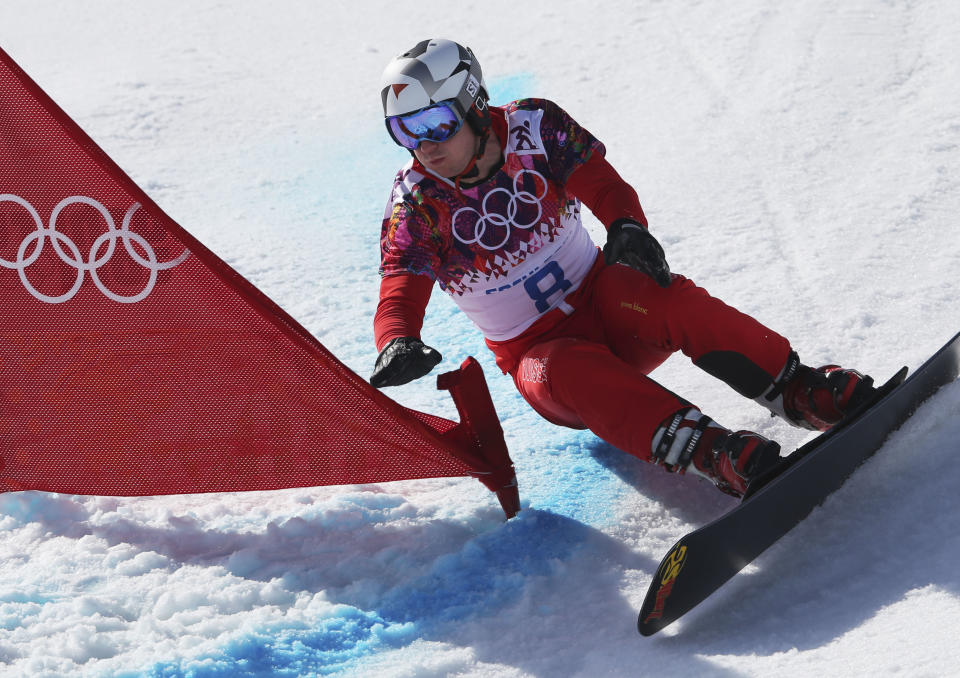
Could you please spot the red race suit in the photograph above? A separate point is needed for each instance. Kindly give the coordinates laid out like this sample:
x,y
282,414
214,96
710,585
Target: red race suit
x,y
579,337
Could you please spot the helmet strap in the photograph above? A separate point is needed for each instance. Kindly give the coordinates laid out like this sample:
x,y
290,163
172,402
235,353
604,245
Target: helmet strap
x,y
471,170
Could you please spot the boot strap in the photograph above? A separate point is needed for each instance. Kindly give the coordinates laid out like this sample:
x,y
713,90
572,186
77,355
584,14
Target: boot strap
x,y
669,435
669,438
789,372
687,455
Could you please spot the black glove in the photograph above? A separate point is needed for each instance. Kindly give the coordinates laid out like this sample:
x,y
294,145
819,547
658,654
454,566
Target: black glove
x,y
630,244
402,360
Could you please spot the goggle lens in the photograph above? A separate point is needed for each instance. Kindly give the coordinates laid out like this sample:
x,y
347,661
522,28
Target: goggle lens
x,y
434,123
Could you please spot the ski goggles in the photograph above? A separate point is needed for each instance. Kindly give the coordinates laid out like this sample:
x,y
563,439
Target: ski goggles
x,y
437,122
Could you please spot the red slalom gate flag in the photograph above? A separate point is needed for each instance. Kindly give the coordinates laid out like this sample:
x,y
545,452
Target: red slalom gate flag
x,y
133,361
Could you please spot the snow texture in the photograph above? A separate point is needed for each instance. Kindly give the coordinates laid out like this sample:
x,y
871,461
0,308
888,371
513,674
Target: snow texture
x,y
799,160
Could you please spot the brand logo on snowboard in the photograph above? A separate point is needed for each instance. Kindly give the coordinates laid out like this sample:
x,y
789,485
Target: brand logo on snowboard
x,y
671,570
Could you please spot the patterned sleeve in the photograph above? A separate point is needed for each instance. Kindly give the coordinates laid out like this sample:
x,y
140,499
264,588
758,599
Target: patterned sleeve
x,y
568,144
410,240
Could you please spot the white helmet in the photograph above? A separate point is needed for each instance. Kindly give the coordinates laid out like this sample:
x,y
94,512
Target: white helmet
x,y
434,71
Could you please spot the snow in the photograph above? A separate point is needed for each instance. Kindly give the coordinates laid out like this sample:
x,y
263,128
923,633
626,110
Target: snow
x,y
800,160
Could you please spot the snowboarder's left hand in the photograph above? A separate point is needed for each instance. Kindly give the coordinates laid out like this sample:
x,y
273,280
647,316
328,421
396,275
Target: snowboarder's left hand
x,y
403,360
632,245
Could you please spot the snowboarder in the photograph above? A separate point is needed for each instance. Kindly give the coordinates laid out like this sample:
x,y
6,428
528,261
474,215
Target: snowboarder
x,y
488,207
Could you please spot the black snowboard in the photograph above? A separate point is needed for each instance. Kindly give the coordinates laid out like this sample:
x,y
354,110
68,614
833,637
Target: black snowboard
x,y
706,558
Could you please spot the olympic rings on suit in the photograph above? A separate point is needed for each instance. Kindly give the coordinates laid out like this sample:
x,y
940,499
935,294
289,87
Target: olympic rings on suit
x,y
495,219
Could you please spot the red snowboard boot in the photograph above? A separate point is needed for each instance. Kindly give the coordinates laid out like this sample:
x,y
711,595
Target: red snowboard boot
x,y
820,398
691,442
816,399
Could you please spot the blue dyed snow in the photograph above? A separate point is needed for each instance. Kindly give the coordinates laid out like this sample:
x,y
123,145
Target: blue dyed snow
x,y
512,87
571,480
325,649
488,573
20,508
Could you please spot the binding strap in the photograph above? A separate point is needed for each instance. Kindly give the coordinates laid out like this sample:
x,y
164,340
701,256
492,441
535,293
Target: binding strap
x,y
789,372
687,454
669,435
665,453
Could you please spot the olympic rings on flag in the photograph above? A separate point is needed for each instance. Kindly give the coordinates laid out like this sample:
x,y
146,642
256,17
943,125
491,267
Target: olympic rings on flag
x,y
72,257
